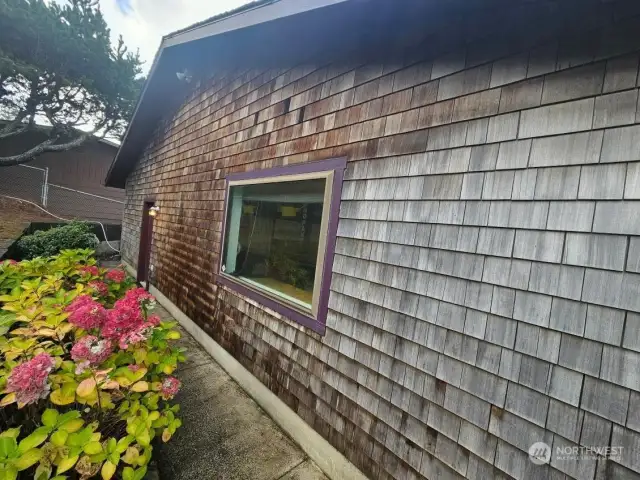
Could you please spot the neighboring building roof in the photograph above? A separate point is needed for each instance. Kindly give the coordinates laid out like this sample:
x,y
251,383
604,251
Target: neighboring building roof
x,y
167,63
45,128
111,143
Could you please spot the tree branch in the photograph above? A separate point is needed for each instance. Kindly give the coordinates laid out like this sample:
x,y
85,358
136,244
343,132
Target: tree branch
x,y
10,132
26,156
73,77
48,145
11,128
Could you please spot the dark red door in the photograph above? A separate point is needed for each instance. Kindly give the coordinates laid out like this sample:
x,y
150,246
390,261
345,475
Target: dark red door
x,y
146,234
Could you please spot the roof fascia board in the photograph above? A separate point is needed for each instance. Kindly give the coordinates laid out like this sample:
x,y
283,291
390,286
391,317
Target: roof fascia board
x,y
248,18
154,66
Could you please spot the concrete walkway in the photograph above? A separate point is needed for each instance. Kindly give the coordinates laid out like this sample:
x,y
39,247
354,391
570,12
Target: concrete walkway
x,y
225,435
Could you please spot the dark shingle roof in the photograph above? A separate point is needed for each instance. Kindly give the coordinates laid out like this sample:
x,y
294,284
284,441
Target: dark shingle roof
x,y
222,16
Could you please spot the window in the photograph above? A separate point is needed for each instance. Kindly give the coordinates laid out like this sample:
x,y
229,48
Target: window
x,y
279,237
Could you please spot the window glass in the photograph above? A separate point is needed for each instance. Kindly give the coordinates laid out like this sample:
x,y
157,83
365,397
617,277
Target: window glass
x,y
273,233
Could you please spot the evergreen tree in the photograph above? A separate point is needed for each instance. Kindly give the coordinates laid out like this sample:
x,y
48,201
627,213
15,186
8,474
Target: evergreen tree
x,y
59,68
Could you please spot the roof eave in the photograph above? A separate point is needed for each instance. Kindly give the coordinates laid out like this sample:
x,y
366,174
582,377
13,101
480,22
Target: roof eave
x,y
260,14
236,21
109,180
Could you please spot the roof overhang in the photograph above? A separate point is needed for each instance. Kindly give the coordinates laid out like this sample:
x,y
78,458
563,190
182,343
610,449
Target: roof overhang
x,y
269,34
248,16
162,78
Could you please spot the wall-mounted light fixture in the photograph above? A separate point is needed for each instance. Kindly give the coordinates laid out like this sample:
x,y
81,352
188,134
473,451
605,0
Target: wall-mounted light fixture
x,y
153,211
185,76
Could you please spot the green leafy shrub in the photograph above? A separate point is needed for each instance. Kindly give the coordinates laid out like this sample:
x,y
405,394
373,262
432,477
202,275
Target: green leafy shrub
x,y
45,243
85,371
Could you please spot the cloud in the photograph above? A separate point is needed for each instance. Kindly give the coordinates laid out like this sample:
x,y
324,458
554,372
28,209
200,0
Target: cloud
x,y
124,6
142,23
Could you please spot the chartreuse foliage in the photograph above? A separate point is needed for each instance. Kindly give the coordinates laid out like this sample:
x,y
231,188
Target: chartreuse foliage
x,y
80,403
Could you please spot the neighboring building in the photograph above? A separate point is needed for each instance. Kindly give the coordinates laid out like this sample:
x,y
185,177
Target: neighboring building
x,y
69,184
483,294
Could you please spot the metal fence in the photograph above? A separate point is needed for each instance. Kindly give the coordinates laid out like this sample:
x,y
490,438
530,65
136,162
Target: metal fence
x,y
32,183
26,182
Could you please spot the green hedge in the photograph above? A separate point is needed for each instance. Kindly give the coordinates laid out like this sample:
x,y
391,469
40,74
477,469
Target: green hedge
x,y
50,242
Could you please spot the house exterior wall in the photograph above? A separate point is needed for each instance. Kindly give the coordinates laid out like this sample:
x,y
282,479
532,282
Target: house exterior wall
x,y
485,284
81,169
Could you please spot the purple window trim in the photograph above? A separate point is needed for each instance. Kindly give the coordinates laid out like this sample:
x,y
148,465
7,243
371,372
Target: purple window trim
x,y
298,168
338,166
281,308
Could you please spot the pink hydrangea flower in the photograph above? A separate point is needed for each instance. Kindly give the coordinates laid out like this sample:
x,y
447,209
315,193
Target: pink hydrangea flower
x,y
79,302
91,270
136,297
86,313
100,287
89,351
126,323
116,275
29,379
121,319
136,335
169,388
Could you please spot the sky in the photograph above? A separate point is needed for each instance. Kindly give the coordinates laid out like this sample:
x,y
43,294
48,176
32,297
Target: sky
x,y
142,23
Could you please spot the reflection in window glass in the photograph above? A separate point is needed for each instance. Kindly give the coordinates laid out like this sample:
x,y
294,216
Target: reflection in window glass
x,y
273,236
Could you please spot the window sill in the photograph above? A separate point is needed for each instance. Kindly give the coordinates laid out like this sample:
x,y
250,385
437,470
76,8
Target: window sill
x,y
288,311
278,296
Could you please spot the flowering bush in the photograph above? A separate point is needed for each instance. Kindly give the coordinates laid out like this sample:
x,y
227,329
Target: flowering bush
x,y
85,371
28,381
116,275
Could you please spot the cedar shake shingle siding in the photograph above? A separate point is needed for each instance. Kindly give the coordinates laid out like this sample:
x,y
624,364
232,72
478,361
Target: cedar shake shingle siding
x,y
485,291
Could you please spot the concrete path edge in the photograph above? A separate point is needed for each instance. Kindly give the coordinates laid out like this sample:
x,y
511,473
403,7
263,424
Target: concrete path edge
x,y
329,460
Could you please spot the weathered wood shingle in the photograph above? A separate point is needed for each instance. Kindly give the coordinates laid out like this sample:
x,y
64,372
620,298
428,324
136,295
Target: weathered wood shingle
x,y
485,284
